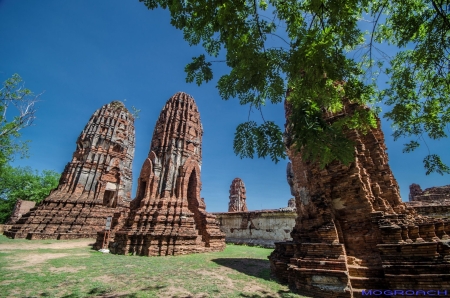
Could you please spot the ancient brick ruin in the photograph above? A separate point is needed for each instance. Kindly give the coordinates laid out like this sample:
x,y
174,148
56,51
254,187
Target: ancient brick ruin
x,y
258,227
433,201
441,193
94,185
20,208
237,196
352,231
168,217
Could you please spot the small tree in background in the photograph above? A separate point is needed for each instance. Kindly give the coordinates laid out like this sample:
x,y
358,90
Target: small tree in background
x,y
25,184
17,111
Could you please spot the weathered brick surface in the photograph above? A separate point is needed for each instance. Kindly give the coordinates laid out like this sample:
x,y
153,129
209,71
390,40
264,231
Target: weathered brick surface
x,y
95,184
433,202
435,194
168,217
353,232
238,196
259,227
20,208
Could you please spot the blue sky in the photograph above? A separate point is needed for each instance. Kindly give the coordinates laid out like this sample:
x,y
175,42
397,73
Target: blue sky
x,y
85,54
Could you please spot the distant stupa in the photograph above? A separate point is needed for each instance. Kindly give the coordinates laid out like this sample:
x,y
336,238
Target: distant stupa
x,y
237,196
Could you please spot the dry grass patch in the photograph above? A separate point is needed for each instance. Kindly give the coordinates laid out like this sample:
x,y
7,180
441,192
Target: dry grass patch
x,y
66,269
42,270
34,259
45,244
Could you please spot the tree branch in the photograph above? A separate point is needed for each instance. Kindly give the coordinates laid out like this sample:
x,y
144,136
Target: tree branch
x,y
444,17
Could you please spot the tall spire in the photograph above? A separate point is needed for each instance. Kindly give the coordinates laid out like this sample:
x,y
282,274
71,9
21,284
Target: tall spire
x,y
238,195
168,215
95,183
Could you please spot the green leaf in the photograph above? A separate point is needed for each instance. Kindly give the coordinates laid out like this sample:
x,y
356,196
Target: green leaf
x,y
198,70
410,147
264,140
316,54
433,163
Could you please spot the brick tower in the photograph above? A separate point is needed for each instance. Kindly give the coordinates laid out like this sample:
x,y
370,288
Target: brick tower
x,y
353,234
95,184
237,196
168,216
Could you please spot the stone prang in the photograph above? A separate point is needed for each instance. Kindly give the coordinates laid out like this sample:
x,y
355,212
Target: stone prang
x,y
168,216
353,234
237,196
95,184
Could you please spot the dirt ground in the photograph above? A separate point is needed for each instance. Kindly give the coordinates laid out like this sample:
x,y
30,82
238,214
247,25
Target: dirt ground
x,y
33,259
58,245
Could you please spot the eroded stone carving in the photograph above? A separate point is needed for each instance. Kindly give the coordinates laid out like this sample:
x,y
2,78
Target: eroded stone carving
x,y
168,217
238,196
94,185
353,232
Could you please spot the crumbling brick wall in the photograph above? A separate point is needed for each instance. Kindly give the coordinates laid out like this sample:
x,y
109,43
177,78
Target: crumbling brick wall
x,y
435,194
352,231
20,208
433,201
263,228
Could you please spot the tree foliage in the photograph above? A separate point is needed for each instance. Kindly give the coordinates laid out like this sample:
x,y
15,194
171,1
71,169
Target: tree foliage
x,y
315,53
22,101
25,184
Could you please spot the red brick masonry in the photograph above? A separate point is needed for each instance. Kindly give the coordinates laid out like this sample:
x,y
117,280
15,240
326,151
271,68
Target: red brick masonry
x,y
168,216
95,184
20,208
238,195
353,233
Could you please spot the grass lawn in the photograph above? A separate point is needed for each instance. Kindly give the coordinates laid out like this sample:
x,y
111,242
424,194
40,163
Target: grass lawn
x,y
51,268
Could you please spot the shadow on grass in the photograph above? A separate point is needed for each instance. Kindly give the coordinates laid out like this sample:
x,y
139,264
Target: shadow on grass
x,y
254,267
259,268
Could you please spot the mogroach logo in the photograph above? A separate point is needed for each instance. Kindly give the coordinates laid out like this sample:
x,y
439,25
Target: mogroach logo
x,y
404,292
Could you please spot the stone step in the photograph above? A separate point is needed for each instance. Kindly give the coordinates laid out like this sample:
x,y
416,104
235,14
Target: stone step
x,y
362,271
367,282
414,269
422,281
319,264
